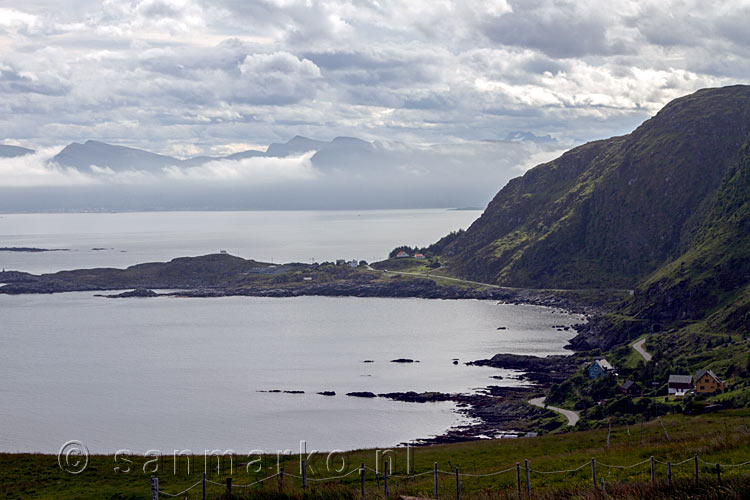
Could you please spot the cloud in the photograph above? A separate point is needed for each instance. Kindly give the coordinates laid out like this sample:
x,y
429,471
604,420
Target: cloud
x,y
248,171
35,170
195,77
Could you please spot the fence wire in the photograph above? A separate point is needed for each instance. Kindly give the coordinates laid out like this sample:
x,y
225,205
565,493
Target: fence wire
x,y
379,474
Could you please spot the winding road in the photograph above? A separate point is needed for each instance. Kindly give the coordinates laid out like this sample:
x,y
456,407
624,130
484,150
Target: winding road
x,y
638,346
571,415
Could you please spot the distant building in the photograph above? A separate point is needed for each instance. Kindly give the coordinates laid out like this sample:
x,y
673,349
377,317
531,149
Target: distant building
x,y
630,388
402,255
599,368
679,385
706,382
352,263
340,262
419,256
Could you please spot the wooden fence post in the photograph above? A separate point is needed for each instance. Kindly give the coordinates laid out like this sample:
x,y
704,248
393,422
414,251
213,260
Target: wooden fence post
x,y
458,487
281,479
593,471
435,473
653,479
669,474
604,487
718,473
528,478
229,486
203,482
695,466
362,479
385,478
154,488
304,474
518,478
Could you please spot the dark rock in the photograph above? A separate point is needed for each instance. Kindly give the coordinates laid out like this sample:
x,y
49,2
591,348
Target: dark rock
x,y
327,393
294,392
361,394
404,360
138,292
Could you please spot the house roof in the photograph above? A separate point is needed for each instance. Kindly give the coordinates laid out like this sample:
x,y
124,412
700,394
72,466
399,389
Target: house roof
x,y
604,364
680,379
700,373
628,384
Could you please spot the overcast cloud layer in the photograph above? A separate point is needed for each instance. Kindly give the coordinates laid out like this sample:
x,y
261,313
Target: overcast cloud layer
x,y
188,77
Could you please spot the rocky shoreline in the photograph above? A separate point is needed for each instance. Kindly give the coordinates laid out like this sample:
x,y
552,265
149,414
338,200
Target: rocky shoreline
x,y
494,410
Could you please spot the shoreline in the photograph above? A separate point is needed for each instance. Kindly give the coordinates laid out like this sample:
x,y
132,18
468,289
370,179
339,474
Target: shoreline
x,y
494,410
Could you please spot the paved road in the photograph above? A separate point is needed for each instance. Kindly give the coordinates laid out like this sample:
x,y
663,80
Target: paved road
x,y
638,346
571,415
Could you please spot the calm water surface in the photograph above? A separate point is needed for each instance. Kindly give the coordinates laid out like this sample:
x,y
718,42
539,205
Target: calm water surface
x,y
125,239
172,373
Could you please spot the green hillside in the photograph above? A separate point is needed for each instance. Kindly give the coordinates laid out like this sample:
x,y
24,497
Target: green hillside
x,y
611,212
664,211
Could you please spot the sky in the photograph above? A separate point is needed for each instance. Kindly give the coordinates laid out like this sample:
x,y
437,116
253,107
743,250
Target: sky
x,y
188,77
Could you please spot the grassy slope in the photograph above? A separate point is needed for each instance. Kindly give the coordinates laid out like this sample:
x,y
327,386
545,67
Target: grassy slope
x,y
609,213
717,438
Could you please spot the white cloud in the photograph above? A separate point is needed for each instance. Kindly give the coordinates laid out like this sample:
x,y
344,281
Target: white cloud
x,y
35,170
248,171
189,76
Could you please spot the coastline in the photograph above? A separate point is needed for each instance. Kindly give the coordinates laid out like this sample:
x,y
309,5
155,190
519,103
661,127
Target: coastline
x,y
493,410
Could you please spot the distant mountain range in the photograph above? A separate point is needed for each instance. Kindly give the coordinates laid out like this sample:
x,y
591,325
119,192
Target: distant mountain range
x,y
302,174
120,158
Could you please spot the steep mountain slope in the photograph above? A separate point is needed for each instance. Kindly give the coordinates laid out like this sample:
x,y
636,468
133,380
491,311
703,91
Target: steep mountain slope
x,y
711,279
611,212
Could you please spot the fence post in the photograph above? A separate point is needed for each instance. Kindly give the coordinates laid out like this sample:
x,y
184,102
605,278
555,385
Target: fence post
x,y
229,486
604,487
593,471
281,479
385,478
304,474
362,479
653,479
518,478
154,488
695,466
458,487
669,474
528,478
718,473
435,473
203,482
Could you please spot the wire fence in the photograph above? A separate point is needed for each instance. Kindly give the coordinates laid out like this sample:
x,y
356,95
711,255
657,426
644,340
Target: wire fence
x,y
520,470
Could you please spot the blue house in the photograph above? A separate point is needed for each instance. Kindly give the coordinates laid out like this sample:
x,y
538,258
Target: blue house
x,y
599,368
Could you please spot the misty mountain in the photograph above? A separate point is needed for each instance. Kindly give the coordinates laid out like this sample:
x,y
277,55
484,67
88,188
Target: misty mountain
x,y
7,151
302,173
120,158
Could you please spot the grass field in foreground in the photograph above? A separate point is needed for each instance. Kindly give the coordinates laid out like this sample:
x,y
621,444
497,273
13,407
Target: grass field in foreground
x,y
720,437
